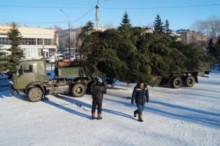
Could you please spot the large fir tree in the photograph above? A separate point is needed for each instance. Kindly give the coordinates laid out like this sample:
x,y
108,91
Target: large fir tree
x,y
125,21
158,24
167,27
86,31
125,27
16,52
88,28
130,54
101,57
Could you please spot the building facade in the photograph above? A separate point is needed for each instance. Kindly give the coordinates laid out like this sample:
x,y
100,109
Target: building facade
x,y
36,42
69,40
188,36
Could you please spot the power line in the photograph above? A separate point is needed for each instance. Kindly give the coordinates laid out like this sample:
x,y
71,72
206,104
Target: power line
x,y
51,22
164,7
84,7
91,9
84,14
75,20
41,7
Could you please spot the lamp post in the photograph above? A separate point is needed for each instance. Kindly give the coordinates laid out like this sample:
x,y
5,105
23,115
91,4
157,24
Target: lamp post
x,y
68,30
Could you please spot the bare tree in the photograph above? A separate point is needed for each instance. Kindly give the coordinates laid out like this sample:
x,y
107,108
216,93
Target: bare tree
x,y
108,26
210,27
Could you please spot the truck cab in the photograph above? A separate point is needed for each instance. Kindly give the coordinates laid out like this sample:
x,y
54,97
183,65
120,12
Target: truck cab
x,y
29,71
30,78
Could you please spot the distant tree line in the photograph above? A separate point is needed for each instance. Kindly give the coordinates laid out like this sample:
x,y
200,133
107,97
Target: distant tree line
x,y
210,27
159,27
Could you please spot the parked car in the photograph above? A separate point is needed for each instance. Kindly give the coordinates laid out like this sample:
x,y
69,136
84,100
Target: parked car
x,y
59,56
72,57
52,59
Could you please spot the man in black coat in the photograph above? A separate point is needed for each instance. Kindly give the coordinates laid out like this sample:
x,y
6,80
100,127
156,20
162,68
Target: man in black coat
x,y
97,97
140,95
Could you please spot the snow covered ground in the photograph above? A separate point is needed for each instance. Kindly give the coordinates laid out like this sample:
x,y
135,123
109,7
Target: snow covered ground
x,y
173,117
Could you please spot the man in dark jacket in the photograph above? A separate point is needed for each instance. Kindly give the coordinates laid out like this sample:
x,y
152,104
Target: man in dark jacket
x,y
140,95
97,98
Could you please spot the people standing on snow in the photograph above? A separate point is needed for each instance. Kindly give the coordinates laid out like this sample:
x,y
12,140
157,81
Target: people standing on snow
x,y
97,98
140,95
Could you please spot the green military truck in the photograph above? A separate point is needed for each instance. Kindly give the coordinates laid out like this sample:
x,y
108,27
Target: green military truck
x,y
30,77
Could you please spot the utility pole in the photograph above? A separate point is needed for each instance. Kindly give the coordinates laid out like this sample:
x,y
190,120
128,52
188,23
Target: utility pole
x,y
68,31
97,15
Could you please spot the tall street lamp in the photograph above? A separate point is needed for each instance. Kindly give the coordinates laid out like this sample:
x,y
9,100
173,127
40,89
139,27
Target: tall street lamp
x,y
68,30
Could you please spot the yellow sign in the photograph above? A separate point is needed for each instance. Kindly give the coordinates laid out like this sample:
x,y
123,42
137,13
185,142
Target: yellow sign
x,y
4,30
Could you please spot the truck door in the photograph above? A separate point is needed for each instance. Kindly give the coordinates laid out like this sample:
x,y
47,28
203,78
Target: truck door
x,y
24,76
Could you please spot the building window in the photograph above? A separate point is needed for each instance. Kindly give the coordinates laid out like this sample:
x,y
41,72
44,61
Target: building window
x,y
28,41
48,42
4,41
40,41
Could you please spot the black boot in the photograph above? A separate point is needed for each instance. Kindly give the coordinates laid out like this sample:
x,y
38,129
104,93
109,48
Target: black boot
x,y
135,113
140,118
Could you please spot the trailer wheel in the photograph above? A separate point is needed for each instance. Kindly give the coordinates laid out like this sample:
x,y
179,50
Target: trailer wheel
x,y
35,94
78,90
189,81
176,82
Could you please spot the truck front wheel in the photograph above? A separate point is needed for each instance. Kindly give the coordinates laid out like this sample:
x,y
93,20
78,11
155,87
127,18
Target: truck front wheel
x,y
189,81
35,94
176,82
78,90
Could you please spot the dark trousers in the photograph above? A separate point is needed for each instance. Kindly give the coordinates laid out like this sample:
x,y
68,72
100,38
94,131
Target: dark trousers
x,y
140,108
98,104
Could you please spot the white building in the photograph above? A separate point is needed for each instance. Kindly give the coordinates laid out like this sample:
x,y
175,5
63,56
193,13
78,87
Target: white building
x,y
68,39
36,42
188,36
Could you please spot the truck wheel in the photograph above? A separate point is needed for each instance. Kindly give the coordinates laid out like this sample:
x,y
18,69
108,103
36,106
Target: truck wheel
x,y
189,81
78,90
176,82
35,94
